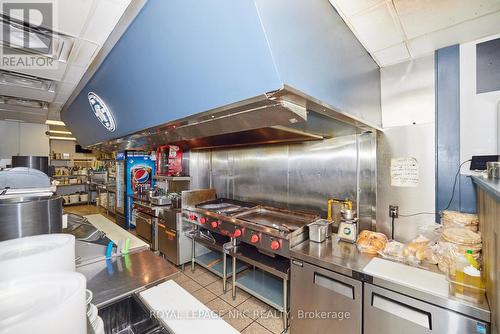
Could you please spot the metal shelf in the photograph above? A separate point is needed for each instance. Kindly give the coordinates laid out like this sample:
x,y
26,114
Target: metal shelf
x,y
212,261
277,266
263,286
68,176
71,185
76,203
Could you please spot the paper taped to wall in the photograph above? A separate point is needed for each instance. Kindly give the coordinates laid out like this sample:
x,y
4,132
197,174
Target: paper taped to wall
x,y
404,172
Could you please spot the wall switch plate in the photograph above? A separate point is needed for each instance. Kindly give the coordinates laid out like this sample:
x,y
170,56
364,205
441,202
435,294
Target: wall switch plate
x,y
393,211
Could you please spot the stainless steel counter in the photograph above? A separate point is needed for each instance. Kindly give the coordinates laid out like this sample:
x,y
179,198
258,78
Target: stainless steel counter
x,y
111,280
344,258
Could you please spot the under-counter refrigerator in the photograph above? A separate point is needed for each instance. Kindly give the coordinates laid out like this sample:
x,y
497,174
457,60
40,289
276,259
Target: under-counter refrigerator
x,y
133,170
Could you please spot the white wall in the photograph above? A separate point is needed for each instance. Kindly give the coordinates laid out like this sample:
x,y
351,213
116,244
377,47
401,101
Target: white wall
x,y
17,138
407,91
478,112
408,117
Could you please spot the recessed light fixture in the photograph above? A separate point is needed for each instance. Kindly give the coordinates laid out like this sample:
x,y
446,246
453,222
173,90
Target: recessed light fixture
x,y
60,132
52,122
62,138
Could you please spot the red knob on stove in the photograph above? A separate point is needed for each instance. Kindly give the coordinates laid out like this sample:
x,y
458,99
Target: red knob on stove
x,y
254,239
237,233
275,245
203,220
214,224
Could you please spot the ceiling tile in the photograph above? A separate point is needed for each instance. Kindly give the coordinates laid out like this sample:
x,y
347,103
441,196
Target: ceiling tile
x,y
83,52
103,20
376,28
392,55
351,7
465,32
424,16
74,74
72,15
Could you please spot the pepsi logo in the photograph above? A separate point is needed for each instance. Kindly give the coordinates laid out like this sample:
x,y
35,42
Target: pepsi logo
x,y
102,112
141,175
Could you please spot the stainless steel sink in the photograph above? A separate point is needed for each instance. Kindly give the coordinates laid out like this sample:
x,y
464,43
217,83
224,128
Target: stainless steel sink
x,y
129,316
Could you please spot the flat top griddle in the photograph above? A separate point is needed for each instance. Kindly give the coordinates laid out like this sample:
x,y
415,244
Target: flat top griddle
x,y
225,206
283,220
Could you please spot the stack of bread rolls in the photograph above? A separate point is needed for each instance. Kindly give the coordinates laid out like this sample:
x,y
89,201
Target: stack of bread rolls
x,y
371,242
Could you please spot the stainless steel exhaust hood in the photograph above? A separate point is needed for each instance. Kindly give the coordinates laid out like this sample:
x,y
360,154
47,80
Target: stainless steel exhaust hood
x,y
200,72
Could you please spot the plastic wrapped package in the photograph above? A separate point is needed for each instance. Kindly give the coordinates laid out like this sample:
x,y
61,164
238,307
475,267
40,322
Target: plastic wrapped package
x,y
371,242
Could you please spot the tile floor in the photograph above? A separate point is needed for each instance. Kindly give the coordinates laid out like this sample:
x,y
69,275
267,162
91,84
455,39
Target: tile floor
x,y
246,313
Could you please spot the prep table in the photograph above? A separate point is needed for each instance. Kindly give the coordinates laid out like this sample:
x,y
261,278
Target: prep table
x,y
380,296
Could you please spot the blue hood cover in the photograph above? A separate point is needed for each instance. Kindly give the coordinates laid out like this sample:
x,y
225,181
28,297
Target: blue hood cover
x,y
186,63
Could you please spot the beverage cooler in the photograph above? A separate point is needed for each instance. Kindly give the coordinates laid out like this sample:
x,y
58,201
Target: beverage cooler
x,y
134,175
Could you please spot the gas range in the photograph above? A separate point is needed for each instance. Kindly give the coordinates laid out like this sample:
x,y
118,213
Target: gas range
x,y
269,229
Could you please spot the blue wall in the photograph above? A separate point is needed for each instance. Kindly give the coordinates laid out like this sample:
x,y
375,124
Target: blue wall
x,y
447,62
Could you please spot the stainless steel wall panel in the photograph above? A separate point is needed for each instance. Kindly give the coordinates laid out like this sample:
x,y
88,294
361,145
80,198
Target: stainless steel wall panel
x,y
367,180
199,169
322,170
297,176
221,172
260,174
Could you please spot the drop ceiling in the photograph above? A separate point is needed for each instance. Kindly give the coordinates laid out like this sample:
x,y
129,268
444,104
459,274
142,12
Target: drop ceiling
x,y
88,23
393,31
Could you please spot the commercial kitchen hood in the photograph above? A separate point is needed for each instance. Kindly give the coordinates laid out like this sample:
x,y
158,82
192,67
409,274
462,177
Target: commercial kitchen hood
x,y
205,73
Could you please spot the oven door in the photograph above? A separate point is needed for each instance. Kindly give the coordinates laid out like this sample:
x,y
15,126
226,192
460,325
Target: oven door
x,y
144,226
167,242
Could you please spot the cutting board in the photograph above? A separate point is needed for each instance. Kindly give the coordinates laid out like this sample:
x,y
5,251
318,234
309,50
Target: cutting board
x,y
182,313
411,277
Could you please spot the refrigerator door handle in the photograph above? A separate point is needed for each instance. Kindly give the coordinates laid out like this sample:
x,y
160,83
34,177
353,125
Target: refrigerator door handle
x,y
334,285
404,311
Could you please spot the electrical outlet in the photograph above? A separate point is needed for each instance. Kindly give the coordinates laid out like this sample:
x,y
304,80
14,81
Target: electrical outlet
x,y
393,211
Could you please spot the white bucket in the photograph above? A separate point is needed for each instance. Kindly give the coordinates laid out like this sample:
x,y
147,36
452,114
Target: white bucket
x,y
37,254
46,303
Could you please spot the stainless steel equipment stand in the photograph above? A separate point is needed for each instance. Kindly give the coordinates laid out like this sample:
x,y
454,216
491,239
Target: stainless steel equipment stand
x,y
193,247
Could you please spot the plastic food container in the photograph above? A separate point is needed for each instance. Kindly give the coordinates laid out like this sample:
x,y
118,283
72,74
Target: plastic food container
x,y
467,292
74,198
84,197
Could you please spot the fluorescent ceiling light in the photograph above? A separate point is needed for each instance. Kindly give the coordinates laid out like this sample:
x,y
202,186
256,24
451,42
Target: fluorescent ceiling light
x,y
51,122
60,132
62,138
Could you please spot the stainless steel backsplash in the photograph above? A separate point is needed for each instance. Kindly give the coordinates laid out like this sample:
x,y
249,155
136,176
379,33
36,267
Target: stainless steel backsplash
x,y
294,176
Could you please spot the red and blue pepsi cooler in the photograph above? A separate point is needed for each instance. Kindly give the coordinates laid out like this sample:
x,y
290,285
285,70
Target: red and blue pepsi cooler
x,y
139,172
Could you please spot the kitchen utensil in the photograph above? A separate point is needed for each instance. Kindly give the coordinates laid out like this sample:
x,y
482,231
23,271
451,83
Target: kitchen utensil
x,y
318,230
493,168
